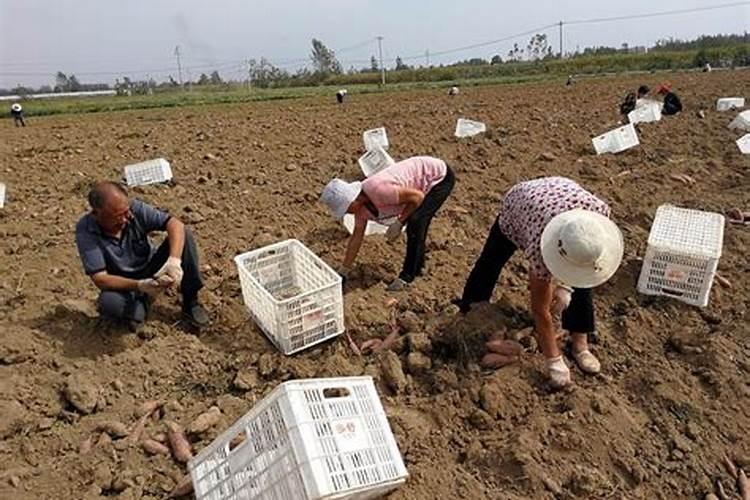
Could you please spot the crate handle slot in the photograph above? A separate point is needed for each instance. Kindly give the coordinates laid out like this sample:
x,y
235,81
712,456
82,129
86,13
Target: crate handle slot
x,y
674,293
336,392
237,440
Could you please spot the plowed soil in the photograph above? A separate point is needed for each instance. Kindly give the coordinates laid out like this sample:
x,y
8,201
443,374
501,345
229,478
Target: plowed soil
x,y
674,392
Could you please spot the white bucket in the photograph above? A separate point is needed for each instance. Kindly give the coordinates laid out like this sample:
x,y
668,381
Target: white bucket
x,y
2,195
469,128
374,161
728,103
743,143
645,111
742,121
375,137
616,140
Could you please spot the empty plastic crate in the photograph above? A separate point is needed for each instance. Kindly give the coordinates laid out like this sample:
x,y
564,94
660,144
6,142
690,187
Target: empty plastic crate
x,y
684,247
375,160
469,128
375,137
293,296
728,103
372,226
616,140
646,111
2,195
306,440
742,121
148,172
743,143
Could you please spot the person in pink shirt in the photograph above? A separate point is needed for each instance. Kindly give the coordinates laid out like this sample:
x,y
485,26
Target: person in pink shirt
x,y
408,193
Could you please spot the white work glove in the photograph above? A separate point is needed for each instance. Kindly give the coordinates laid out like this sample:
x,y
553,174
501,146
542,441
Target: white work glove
x,y
561,299
394,231
170,273
150,287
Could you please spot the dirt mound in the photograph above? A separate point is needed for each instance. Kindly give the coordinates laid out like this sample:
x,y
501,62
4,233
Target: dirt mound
x,y
673,394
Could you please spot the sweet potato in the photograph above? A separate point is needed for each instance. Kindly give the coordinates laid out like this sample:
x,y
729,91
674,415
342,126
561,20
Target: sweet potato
x,y
149,407
182,488
181,449
114,428
204,421
494,361
135,434
154,447
743,485
509,348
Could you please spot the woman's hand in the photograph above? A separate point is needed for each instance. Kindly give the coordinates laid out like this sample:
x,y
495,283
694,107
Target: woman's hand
x,y
560,300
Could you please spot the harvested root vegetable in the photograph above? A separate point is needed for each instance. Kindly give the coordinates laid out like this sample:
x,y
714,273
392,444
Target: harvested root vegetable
x,y
149,407
180,445
236,441
113,428
743,485
86,445
723,281
730,467
103,440
509,348
494,361
205,421
154,447
182,488
710,496
135,434
161,437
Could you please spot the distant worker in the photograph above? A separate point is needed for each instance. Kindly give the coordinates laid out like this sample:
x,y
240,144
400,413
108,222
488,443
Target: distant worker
x,y
571,245
707,68
117,255
631,101
408,193
453,90
340,96
672,104
16,111
570,81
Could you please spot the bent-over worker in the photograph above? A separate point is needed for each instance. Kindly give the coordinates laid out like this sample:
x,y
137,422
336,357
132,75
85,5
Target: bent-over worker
x,y
408,193
117,255
572,246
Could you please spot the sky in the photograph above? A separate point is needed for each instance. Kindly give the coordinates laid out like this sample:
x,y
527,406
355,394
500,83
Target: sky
x,y
100,40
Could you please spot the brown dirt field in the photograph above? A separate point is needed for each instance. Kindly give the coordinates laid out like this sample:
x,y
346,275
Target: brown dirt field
x,y
674,393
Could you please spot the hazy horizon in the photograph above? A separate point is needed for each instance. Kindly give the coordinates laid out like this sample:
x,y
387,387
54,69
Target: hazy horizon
x,y
104,40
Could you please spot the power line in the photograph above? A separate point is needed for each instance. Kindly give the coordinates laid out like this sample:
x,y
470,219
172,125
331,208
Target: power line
x,y
657,14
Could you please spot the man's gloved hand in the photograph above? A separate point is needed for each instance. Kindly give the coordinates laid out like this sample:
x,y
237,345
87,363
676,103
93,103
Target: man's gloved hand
x,y
394,231
171,269
150,287
561,299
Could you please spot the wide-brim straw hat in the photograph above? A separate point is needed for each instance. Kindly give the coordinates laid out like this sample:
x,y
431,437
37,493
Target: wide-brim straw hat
x,y
581,248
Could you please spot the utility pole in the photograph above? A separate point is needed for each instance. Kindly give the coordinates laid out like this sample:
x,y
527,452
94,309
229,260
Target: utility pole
x,y
247,76
561,40
179,64
382,68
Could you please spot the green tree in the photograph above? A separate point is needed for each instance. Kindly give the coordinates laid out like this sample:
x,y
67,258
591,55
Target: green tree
x,y
323,59
400,64
215,78
373,64
61,82
203,79
73,84
263,74
496,59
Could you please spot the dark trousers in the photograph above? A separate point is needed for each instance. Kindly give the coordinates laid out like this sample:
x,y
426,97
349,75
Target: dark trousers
x,y
19,120
418,224
133,305
498,249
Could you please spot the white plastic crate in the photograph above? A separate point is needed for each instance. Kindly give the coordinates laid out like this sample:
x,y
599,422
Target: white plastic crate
x,y
375,137
372,226
2,195
728,103
148,172
616,140
469,128
684,247
645,112
742,121
743,143
307,440
293,296
375,160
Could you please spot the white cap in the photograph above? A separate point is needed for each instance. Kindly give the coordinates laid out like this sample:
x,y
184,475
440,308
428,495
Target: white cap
x,y
338,195
15,107
583,249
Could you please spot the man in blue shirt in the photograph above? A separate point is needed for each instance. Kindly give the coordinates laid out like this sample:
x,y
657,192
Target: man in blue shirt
x,y
116,253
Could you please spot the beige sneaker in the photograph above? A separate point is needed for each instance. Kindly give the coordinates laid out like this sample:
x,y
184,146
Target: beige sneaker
x,y
559,373
587,362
